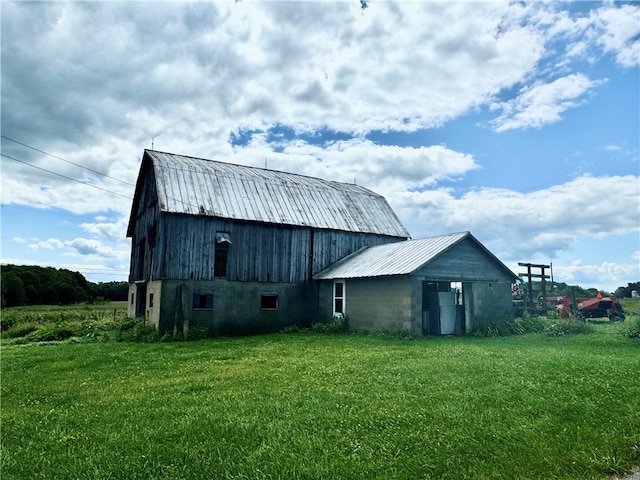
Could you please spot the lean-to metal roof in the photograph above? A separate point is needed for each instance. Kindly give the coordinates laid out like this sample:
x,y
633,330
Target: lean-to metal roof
x,y
398,258
196,186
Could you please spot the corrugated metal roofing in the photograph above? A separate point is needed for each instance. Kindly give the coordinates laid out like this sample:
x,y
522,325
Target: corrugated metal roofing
x,y
198,186
399,258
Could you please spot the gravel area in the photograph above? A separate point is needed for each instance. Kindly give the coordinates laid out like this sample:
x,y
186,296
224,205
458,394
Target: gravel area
x,y
635,475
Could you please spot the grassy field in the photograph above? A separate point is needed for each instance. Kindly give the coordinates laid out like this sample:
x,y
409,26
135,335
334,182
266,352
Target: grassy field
x,y
289,406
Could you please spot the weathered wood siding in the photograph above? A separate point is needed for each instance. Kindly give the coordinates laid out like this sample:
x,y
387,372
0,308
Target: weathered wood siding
x,y
465,261
146,228
258,252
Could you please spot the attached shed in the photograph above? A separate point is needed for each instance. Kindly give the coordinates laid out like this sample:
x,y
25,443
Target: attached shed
x,y
234,248
440,285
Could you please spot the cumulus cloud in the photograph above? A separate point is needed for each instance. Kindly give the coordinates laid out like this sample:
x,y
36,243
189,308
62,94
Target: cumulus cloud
x,y
49,244
520,225
114,231
83,247
619,30
382,168
611,275
542,103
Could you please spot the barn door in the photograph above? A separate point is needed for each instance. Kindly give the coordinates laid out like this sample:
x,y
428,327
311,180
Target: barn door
x,y
447,303
430,310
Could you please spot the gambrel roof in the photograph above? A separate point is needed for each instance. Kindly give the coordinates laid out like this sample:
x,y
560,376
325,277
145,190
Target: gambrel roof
x,y
196,186
405,258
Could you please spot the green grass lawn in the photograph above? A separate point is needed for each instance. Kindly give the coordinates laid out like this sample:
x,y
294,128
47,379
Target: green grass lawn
x,y
295,406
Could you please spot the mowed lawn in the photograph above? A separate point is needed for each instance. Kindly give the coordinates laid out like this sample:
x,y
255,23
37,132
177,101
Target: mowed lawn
x,y
312,406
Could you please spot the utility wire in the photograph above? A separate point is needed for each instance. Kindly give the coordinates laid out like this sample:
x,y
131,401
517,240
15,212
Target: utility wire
x,y
67,161
81,166
64,176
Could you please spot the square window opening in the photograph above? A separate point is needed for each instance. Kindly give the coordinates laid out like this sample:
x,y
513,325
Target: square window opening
x,y
202,301
269,302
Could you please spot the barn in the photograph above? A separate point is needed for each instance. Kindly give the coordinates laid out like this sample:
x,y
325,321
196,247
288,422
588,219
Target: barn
x,y
441,285
234,249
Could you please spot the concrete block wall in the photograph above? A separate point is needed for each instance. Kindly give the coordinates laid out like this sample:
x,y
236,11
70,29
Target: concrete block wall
x,y
235,307
491,301
381,303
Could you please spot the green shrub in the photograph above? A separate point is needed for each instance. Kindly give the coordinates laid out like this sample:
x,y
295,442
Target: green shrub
x,y
339,324
567,327
137,330
293,329
6,322
19,331
633,330
52,333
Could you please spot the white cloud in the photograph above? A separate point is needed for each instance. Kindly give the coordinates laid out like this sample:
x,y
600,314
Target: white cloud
x,y
517,225
542,103
607,275
49,244
19,240
382,168
114,231
620,33
84,247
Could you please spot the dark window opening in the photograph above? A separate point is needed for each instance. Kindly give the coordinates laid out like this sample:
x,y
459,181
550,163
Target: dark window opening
x,y
221,253
132,298
150,300
139,273
203,300
269,302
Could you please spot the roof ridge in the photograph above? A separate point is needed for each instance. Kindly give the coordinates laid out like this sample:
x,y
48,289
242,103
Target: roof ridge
x,y
293,174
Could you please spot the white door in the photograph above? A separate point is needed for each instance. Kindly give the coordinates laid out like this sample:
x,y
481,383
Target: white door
x,y
447,302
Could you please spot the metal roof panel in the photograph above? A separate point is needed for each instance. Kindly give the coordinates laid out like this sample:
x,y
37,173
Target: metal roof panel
x,y
198,186
398,258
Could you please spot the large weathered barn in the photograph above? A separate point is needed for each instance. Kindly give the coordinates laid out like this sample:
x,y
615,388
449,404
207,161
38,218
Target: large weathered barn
x,y
235,248
239,249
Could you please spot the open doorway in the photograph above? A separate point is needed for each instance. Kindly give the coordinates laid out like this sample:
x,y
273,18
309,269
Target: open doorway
x,y
442,308
141,299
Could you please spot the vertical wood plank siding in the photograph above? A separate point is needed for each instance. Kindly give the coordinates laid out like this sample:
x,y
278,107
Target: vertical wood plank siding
x,y
146,215
465,261
258,252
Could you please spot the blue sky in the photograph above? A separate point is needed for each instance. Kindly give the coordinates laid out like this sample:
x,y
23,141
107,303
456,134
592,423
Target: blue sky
x,y
517,121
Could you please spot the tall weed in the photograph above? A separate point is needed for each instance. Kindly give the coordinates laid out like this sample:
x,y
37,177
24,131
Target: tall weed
x,y
512,326
338,324
633,330
562,327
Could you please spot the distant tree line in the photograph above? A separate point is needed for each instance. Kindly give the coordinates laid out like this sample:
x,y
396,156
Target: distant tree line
x,y
624,292
34,285
562,289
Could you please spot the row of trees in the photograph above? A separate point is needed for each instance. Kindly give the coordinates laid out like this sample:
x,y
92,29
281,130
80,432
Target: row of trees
x,y
562,289
33,285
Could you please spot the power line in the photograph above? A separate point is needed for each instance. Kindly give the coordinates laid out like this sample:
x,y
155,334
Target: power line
x,y
64,176
75,179
67,161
